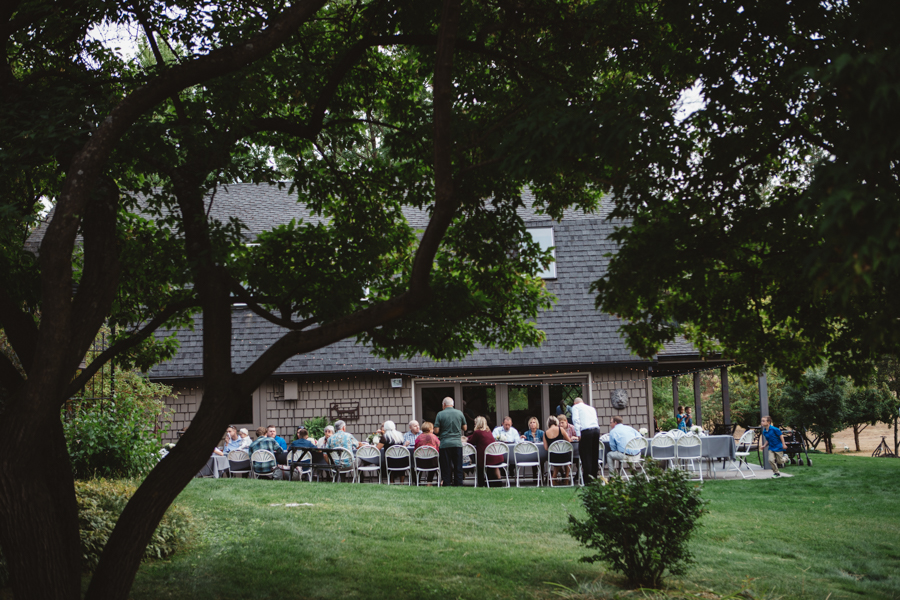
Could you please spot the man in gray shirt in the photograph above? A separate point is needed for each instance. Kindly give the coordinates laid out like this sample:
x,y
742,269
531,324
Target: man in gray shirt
x,y
449,425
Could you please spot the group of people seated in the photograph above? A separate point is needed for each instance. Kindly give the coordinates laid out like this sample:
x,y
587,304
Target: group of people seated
x,y
336,436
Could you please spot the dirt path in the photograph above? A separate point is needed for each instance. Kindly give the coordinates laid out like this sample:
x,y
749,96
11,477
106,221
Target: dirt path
x,y
868,440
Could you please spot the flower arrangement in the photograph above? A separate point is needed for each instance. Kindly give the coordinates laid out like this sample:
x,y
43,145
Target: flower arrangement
x,y
643,431
696,429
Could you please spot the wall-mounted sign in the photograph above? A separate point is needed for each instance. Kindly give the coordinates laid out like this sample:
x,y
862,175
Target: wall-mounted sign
x,y
396,382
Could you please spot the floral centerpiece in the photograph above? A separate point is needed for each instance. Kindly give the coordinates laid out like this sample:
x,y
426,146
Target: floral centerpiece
x,y
373,439
696,429
643,431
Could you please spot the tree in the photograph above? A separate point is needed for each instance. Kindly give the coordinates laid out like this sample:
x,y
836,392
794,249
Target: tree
x,y
765,225
376,106
887,374
870,405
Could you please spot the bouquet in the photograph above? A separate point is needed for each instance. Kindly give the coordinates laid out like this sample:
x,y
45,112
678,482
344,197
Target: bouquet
x,y
643,431
696,429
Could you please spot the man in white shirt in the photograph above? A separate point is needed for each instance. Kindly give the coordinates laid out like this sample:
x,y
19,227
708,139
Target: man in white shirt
x,y
587,428
619,436
506,432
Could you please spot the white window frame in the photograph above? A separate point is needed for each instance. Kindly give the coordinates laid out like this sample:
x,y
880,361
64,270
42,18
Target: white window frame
x,y
550,271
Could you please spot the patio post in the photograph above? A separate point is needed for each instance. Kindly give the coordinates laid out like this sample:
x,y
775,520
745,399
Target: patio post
x,y
763,410
675,395
726,396
697,401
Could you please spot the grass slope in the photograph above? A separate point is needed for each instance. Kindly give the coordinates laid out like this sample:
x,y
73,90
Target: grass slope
x,y
831,529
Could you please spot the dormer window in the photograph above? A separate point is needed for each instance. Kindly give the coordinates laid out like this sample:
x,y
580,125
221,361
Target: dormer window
x,y
543,236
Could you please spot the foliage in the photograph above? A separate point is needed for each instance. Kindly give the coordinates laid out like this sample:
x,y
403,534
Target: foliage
x,y
100,502
119,436
640,527
316,426
776,200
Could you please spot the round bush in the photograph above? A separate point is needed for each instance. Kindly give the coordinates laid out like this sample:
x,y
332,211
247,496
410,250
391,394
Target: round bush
x,y
641,528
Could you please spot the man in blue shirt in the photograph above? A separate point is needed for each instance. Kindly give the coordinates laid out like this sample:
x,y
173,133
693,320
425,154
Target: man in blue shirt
x,y
619,436
773,439
273,433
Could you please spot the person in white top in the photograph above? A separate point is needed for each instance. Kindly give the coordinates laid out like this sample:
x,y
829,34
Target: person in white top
x,y
587,428
506,432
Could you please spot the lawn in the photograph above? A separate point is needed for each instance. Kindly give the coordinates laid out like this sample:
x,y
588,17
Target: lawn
x,y
830,529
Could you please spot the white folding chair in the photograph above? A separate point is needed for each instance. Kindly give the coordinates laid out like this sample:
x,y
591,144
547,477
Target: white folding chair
x,y
527,455
303,467
368,460
499,451
561,454
397,459
689,448
263,456
426,461
662,449
239,463
677,434
470,462
633,456
743,451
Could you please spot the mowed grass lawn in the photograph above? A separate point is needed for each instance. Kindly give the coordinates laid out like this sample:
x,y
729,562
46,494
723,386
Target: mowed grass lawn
x,y
831,529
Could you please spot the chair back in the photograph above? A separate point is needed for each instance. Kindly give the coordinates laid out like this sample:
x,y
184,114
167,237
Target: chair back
x,y
677,434
497,449
637,443
369,455
724,429
662,446
469,455
746,441
397,458
294,457
343,459
426,458
262,456
527,453
238,462
604,438
560,452
688,446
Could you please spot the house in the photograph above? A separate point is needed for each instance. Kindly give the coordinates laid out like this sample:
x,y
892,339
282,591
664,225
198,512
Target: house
x,y
583,355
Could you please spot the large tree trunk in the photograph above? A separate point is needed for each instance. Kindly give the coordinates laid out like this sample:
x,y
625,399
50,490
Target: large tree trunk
x,y
39,516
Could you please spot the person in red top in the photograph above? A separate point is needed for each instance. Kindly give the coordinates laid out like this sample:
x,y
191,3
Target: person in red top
x,y
427,438
481,438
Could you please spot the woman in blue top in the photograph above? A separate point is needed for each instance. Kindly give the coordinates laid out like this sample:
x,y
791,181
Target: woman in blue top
x,y
534,434
682,425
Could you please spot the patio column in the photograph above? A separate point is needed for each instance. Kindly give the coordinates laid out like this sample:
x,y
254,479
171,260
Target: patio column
x,y
697,408
675,395
726,396
763,410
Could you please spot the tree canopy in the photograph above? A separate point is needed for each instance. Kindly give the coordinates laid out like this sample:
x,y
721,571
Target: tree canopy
x,y
765,224
367,108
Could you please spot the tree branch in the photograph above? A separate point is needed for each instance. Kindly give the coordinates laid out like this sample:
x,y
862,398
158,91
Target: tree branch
x,y
244,296
122,345
20,329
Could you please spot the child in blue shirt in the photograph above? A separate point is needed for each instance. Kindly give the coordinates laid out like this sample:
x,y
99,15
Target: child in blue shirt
x,y
773,439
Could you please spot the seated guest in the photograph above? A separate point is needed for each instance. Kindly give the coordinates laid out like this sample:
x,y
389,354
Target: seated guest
x,y
619,436
506,432
427,438
232,442
245,439
273,433
329,431
555,432
265,442
342,439
534,434
302,440
390,437
409,438
481,438
568,428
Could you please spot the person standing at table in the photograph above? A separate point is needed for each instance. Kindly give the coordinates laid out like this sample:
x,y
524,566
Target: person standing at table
x,y
587,428
688,419
449,425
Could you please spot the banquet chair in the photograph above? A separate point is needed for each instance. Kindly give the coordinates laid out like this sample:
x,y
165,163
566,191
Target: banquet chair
x,y
397,459
527,455
496,456
426,461
368,460
561,454
689,448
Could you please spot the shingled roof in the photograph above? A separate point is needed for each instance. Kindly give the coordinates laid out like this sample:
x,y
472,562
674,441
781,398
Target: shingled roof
x,y
578,335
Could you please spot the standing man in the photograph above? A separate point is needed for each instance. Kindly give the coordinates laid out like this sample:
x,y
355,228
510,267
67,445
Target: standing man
x,y
773,439
587,428
449,425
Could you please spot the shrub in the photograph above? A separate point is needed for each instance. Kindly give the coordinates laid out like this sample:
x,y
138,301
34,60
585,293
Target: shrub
x,y
119,437
100,502
316,426
641,528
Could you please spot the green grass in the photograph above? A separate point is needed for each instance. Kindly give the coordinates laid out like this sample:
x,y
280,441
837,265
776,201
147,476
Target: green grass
x,y
831,529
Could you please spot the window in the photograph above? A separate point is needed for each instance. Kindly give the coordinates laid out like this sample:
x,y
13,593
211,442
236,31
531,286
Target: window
x,y
543,236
